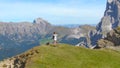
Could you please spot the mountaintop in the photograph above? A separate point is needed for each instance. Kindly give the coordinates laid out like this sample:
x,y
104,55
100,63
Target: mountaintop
x,y
64,56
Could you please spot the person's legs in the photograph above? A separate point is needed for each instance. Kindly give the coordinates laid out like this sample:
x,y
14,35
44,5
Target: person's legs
x,y
55,42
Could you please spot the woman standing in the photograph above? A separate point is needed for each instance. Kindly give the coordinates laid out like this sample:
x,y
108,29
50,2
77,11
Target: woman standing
x,y
54,38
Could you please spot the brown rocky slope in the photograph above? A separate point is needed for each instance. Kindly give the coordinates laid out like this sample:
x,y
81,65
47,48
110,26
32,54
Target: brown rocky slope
x,y
112,39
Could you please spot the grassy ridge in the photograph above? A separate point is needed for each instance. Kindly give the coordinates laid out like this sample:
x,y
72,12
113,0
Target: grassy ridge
x,y
66,56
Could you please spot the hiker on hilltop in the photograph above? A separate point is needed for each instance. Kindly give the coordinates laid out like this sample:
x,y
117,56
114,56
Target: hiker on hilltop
x,y
54,38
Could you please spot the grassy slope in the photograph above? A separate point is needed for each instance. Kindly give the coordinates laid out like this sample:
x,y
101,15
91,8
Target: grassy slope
x,y
65,56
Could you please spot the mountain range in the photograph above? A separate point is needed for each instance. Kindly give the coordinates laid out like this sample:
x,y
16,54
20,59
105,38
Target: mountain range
x,y
19,37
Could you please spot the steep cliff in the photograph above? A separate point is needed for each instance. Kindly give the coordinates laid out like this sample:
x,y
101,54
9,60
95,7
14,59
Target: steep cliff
x,y
109,21
111,18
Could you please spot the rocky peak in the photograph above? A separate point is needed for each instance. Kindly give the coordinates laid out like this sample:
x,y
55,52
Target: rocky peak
x,y
42,24
40,21
111,18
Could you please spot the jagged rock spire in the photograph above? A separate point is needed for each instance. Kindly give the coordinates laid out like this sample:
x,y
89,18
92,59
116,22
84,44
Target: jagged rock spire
x,y
111,18
109,21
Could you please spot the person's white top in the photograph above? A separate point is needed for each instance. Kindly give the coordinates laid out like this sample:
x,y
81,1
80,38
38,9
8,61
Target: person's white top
x,y
55,37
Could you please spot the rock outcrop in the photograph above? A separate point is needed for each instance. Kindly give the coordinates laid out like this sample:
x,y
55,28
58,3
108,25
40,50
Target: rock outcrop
x,y
112,39
18,61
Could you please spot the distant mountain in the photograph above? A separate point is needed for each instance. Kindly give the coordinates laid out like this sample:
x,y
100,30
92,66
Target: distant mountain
x,y
70,25
78,35
74,25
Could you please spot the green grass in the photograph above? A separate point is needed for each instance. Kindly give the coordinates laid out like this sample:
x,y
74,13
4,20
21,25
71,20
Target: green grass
x,y
66,56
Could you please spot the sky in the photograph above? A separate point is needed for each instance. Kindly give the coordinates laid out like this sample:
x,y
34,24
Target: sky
x,y
53,11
